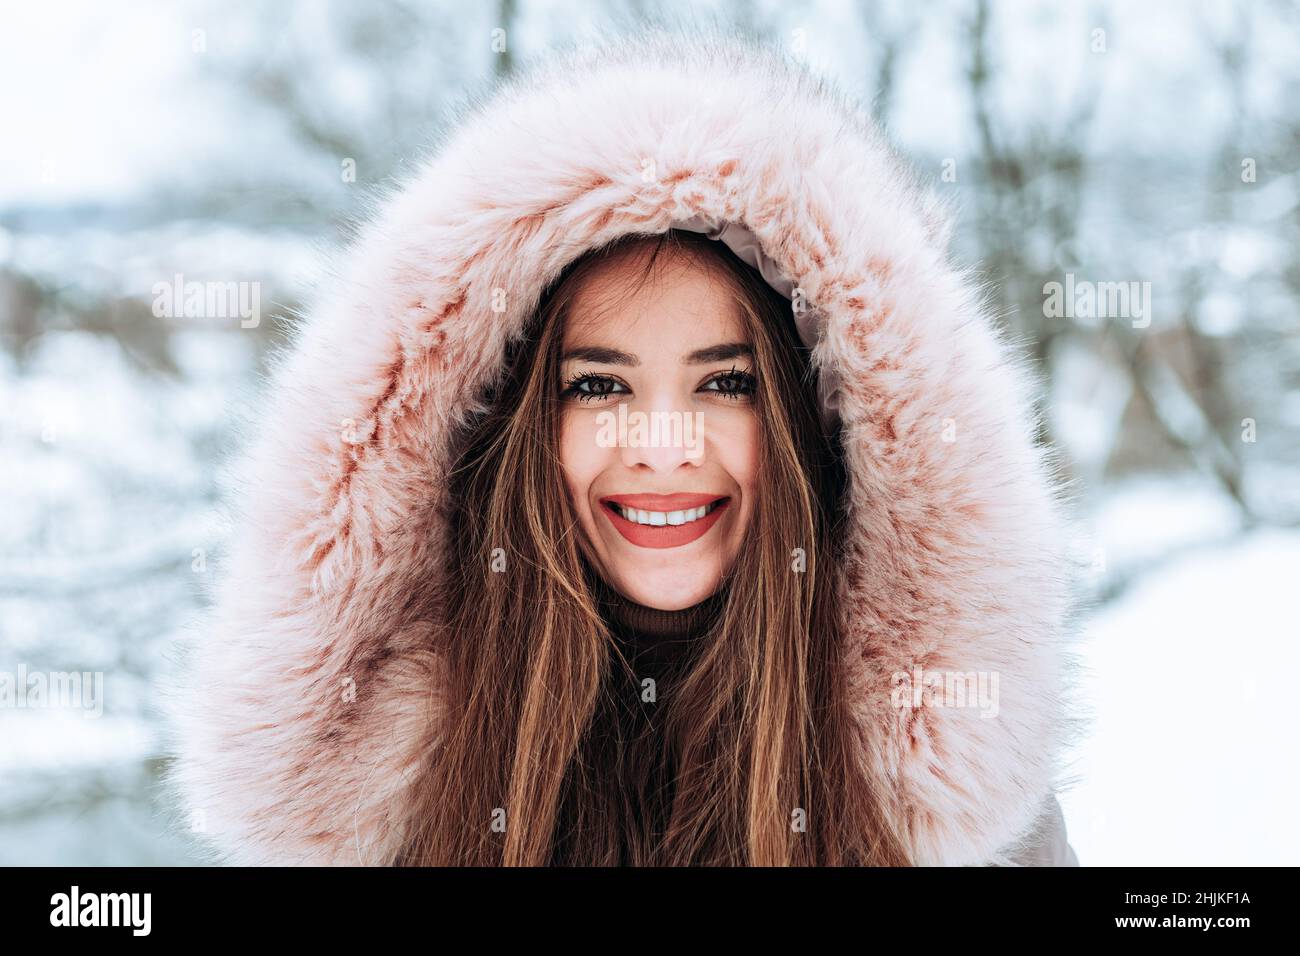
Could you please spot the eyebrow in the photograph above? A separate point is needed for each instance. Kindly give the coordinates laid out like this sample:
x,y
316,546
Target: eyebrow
x,y
608,356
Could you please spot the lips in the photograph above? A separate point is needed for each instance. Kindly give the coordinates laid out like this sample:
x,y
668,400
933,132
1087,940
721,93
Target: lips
x,y
675,502
675,519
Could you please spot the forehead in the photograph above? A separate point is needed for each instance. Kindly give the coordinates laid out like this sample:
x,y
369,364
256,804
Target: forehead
x,y
684,297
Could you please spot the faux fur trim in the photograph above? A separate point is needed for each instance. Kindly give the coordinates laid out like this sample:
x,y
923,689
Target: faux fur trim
x,y
309,688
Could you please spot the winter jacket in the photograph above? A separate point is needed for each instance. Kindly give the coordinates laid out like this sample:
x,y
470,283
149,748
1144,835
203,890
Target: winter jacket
x,y
303,698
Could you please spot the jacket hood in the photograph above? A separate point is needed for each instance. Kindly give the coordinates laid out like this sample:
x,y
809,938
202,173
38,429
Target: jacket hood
x,y
308,690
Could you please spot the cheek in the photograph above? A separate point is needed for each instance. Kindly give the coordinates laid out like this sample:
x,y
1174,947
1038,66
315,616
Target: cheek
x,y
580,457
737,451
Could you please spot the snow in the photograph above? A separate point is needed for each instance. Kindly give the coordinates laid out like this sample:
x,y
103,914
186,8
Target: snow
x,y
1141,521
1189,676
108,477
64,739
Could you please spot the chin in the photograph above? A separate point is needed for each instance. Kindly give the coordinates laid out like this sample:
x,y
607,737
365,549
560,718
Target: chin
x,y
666,579
669,589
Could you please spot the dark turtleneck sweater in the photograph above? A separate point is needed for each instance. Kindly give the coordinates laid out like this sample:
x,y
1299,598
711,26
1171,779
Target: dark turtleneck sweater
x,y
652,638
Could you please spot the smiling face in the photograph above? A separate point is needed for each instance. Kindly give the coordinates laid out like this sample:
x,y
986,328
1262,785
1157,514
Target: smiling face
x,y
663,502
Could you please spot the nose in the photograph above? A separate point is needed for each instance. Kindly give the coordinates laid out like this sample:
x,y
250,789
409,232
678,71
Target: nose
x,y
663,439
662,460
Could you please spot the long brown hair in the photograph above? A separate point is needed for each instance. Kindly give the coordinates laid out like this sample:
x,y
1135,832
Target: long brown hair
x,y
752,757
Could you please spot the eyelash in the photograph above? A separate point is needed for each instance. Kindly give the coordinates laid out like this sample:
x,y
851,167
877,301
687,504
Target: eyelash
x,y
747,385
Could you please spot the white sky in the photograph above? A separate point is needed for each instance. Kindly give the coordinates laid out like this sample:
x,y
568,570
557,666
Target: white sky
x,y
96,100
101,101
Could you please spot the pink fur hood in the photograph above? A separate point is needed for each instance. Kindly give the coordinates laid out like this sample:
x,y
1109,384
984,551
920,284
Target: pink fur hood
x,y
307,690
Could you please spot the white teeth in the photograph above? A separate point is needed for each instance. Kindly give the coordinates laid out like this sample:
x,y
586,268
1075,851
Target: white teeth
x,y
659,518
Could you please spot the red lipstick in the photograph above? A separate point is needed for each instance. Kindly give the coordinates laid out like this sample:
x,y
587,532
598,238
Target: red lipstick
x,y
665,535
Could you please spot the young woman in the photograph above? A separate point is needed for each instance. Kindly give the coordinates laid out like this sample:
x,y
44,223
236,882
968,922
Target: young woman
x,y
648,491
693,542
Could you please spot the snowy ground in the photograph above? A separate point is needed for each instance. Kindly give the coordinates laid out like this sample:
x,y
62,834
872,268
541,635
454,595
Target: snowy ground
x,y
108,478
1192,756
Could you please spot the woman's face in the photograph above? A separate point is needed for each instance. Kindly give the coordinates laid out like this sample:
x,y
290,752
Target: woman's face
x,y
664,486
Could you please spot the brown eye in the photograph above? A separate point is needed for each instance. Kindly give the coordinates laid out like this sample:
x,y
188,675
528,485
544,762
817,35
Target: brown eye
x,y
734,385
587,387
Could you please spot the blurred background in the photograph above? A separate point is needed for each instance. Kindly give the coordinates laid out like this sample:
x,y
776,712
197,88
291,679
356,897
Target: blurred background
x,y
1083,143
